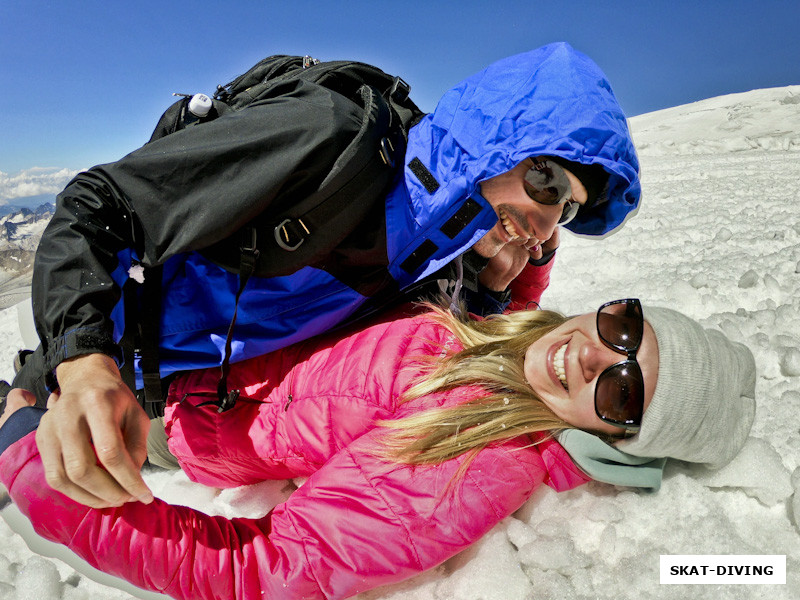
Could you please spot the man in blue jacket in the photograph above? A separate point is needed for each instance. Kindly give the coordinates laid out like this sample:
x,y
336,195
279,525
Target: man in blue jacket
x,y
532,142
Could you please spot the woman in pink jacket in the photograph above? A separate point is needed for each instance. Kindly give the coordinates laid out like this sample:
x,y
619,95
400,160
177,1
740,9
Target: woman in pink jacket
x,y
417,436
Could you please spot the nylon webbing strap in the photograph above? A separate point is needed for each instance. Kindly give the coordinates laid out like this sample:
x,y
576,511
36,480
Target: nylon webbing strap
x,y
141,337
322,214
150,323
247,265
131,334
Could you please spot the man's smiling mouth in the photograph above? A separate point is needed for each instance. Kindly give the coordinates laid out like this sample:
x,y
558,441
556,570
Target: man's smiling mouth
x,y
508,225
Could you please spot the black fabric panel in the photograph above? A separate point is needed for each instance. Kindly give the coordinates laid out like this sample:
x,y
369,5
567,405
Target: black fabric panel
x,y
455,224
361,260
422,173
420,256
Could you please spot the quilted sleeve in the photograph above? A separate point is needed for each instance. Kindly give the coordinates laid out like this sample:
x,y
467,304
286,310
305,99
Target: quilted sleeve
x,y
529,285
358,523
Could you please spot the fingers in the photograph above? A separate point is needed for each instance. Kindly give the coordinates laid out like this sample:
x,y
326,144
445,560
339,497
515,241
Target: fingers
x,y
21,398
52,399
80,431
502,268
135,432
553,242
535,252
122,458
69,474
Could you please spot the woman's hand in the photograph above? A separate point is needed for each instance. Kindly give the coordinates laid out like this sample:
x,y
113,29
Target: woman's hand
x,y
16,399
538,251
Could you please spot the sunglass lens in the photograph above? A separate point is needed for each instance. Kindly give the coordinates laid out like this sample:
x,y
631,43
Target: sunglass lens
x,y
619,396
547,183
570,212
621,324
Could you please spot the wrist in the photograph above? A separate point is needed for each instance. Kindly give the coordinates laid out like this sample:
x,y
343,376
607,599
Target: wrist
x,y
546,258
501,296
79,366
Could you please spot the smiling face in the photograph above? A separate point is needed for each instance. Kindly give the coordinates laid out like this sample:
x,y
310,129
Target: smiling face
x,y
521,220
562,368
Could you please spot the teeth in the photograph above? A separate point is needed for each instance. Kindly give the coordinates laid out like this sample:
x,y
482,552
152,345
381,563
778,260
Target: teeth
x,y
510,229
558,365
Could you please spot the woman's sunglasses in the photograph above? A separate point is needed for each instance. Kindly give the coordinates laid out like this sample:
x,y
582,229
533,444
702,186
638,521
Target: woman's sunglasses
x,y
619,394
547,183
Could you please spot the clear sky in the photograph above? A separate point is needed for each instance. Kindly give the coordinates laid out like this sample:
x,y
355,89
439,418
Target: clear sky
x,y
84,82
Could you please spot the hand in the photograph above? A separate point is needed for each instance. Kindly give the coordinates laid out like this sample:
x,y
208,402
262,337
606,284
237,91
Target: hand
x,y
539,250
503,267
16,399
95,417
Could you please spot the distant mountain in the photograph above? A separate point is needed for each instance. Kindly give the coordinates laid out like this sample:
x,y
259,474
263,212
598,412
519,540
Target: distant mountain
x,y
29,202
20,232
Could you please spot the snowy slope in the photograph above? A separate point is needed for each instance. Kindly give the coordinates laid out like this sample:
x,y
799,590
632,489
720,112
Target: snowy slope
x,y
760,119
717,236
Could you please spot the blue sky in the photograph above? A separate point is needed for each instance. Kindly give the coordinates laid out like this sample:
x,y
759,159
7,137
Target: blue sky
x,y
85,81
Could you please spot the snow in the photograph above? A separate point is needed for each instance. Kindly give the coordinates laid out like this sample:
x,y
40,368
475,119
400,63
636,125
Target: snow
x,y
718,237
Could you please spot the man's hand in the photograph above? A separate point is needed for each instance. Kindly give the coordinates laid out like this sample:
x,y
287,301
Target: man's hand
x,y
95,417
504,266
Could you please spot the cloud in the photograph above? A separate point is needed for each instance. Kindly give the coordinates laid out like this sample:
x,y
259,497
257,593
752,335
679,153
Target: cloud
x,y
34,182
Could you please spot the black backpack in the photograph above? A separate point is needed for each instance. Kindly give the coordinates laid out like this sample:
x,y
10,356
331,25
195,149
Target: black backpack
x,y
307,219
291,237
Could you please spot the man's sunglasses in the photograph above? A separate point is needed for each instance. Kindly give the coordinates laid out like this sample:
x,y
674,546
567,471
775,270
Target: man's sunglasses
x,y
619,394
547,183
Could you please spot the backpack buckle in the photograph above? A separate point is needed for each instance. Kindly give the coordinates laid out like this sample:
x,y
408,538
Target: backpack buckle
x,y
287,235
399,90
387,151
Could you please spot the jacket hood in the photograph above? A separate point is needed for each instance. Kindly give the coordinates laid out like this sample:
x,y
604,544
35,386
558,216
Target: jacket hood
x,y
549,101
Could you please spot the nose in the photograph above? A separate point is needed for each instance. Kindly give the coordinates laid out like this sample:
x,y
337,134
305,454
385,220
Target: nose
x,y
545,220
594,358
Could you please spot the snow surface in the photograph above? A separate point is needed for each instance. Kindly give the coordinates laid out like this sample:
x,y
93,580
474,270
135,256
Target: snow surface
x,y
717,236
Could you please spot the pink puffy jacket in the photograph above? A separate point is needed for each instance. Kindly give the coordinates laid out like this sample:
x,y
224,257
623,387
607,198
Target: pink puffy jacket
x,y
309,410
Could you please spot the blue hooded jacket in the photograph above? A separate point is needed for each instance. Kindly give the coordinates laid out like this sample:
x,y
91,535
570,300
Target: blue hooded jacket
x,y
552,101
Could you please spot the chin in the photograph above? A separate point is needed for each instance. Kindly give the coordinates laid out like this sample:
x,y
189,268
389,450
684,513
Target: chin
x,y
488,248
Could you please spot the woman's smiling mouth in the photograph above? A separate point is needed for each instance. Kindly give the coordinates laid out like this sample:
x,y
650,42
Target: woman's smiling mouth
x,y
558,365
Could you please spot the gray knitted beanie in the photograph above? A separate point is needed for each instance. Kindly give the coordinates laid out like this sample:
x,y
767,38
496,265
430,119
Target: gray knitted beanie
x,y
704,402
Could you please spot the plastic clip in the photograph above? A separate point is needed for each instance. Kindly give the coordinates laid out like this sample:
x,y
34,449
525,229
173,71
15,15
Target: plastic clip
x,y
283,235
229,401
387,152
399,90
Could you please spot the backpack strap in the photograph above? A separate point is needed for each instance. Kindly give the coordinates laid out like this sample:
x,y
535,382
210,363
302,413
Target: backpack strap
x,y
130,335
248,257
150,338
141,338
291,233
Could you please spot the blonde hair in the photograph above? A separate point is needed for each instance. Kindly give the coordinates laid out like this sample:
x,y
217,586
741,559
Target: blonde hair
x,y
492,358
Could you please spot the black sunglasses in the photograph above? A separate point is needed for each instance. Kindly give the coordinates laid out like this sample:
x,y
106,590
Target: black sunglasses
x,y
547,183
619,394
